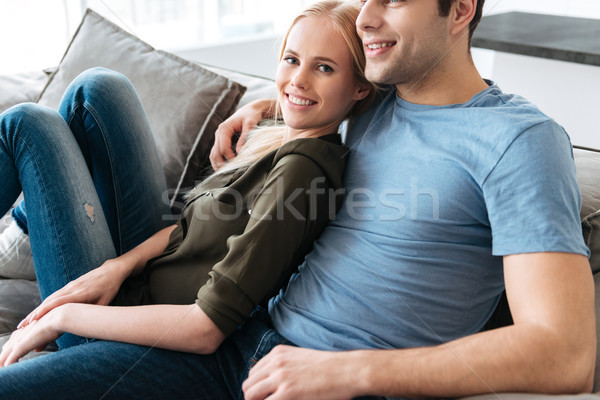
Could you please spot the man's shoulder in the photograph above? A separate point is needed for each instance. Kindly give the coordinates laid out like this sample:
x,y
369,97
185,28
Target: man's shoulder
x,y
495,103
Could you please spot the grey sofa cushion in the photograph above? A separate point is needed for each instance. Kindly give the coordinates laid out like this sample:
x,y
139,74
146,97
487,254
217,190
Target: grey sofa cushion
x,y
184,102
257,88
587,163
17,299
533,396
20,88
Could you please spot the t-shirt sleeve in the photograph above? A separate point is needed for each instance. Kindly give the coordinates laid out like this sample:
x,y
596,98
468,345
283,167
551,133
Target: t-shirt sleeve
x,y
532,196
257,260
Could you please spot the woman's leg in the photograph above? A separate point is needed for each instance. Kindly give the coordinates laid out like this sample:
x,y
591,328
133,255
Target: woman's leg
x,y
68,232
106,117
111,370
103,162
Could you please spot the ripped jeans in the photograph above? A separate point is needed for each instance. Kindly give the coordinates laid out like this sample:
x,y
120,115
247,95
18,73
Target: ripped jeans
x,y
91,177
94,187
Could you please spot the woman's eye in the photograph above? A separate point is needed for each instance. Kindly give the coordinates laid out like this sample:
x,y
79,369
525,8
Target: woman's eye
x,y
291,60
325,68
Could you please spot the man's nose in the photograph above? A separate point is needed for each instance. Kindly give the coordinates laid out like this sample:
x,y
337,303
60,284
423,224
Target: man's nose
x,y
370,16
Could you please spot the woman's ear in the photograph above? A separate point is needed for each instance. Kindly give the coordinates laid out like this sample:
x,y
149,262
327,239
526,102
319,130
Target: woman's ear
x,y
362,91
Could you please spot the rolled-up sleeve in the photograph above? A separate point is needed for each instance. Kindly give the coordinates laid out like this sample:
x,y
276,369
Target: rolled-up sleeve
x,y
286,216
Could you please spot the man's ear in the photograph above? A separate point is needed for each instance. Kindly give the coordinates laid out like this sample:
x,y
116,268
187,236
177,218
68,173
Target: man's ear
x,y
461,15
362,92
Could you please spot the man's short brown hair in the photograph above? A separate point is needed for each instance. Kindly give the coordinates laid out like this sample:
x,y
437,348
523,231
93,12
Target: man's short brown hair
x,y
445,5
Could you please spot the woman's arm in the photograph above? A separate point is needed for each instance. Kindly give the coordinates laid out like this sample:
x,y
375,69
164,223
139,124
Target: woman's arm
x,y
174,327
100,285
134,261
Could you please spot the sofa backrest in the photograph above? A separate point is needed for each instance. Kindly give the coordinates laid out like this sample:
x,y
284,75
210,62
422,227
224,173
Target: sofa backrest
x,y
587,162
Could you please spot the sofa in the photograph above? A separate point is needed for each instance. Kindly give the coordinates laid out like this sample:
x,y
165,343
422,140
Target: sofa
x,y
221,92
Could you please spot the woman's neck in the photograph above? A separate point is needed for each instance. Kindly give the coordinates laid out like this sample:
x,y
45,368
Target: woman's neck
x,y
291,133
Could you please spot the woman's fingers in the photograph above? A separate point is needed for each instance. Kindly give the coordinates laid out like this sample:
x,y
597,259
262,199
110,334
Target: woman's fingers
x,y
72,293
44,308
36,336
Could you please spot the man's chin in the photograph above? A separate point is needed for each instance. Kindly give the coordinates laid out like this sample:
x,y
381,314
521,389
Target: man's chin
x,y
379,76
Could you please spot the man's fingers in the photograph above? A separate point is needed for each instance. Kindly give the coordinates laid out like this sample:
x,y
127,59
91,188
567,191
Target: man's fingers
x,y
216,159
246,129
259,390
221,150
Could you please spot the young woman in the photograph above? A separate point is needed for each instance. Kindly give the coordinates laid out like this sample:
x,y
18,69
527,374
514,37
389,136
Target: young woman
x,y
93,188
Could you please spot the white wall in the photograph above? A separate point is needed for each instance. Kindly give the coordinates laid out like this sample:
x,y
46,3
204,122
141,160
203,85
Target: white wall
x,y
256,56
567,92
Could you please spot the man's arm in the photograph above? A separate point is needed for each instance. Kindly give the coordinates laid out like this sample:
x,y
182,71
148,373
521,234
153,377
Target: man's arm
x,y
551,348
241,122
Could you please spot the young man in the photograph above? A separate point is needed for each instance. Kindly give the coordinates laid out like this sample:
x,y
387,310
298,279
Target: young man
x,y
454,191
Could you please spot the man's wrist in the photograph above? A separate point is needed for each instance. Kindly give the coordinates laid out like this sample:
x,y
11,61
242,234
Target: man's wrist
x,y
366,370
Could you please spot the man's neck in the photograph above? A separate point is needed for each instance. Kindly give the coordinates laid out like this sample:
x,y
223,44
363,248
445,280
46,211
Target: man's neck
x,y
443,86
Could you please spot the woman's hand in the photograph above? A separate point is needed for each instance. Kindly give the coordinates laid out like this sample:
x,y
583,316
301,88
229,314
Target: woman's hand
x,y
98,286
35,336
242,121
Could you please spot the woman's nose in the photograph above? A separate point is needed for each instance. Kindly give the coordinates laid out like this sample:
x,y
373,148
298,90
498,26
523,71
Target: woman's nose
x,y
300,80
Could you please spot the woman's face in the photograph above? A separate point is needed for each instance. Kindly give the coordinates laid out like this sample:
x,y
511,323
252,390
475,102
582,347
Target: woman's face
x,y
315,78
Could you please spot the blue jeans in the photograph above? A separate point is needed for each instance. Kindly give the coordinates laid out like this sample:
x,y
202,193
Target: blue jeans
x,y
94,187
112,370
91,177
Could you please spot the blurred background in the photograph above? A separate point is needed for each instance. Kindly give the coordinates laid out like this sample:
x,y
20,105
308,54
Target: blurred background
x,y
243,35
35,33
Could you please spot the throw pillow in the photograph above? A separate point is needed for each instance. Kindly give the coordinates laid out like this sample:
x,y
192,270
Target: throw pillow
x,y
20,88
587,163
184,102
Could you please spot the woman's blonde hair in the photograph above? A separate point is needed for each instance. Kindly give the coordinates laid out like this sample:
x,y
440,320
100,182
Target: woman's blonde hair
x,y
342,15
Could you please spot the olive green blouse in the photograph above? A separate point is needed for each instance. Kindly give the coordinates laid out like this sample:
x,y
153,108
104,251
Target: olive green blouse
x,y
237,244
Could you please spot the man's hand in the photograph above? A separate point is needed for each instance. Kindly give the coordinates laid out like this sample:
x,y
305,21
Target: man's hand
x,y
242,121
295,373
550,348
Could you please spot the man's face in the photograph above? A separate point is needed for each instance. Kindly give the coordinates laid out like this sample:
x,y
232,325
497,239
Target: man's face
x,y
405,41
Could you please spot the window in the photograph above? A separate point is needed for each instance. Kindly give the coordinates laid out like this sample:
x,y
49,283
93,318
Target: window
x,y
35,33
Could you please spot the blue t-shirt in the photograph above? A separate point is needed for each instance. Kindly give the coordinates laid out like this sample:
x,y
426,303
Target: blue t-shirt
x,y
435,196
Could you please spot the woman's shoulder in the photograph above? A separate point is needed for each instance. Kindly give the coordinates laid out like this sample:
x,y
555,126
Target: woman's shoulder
x,y
310,157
